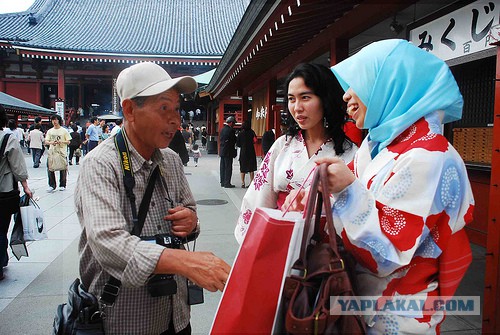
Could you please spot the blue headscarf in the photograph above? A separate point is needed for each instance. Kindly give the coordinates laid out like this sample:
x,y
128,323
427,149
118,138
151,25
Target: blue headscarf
x,y
399,83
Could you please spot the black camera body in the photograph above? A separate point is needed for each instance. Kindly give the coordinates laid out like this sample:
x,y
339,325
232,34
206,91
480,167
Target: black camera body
x,y
161,285
169,241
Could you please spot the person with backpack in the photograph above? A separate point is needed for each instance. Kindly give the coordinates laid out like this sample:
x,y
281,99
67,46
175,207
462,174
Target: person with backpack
x,y
12,171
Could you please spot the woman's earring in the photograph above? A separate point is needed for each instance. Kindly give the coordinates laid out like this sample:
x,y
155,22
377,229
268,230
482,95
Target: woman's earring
x,y
325,123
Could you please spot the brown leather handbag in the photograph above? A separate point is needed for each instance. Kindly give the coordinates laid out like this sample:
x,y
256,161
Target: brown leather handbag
x,y
318,274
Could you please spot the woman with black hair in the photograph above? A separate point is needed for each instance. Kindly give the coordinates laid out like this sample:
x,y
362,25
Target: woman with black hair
x,y
248,159
314,100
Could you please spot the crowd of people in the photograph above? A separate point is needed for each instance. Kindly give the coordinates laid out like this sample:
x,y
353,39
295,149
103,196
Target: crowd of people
x,y
60,143
400,196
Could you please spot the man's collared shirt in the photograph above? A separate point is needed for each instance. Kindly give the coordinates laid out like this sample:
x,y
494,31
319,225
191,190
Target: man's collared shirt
x,y
93,133
107,247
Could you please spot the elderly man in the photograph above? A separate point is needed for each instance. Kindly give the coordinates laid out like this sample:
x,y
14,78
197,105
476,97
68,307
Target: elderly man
x,y
150,101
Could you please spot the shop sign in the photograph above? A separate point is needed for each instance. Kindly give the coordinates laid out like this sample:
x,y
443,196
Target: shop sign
x,y
59,107
459,33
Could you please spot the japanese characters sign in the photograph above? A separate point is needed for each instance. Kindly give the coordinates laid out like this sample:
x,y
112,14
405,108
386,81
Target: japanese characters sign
x,y
459,33
60,108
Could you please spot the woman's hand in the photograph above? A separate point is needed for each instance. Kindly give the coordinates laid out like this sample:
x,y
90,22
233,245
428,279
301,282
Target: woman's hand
x,y
339,175
295,201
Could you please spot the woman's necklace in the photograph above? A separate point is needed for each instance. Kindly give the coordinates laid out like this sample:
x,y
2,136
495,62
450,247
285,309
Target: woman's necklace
x,y
313,144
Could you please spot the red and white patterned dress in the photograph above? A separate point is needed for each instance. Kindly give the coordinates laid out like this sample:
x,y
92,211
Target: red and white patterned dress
x,y
398,218
284,168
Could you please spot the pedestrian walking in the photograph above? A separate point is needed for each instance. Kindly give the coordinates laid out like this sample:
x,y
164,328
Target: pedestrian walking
x,y
196,153
93,134
58,139
75,146
12,171
36,140
248,160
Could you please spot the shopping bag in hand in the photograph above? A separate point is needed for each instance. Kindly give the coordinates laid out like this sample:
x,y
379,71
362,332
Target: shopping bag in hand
x,y
17,242
250,299
33,224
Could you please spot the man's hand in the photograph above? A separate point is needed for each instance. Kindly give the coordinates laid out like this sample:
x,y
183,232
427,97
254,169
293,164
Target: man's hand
x,y
202,268
183,220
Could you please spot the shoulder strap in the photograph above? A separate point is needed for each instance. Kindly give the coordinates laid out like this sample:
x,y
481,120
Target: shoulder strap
x,y
5,139
112,287
128,175
146,200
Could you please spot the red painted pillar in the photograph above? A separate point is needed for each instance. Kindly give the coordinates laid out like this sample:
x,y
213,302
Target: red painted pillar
x,y
38,94
60,84
491,312
244,107
271,117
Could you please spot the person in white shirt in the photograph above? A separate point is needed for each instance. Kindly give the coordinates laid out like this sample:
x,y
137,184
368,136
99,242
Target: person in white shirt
x,y
36,139
58,138
117,127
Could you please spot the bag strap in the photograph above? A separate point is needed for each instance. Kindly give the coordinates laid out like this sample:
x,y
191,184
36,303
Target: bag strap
x,y
5,139
112,287
4,144
315,203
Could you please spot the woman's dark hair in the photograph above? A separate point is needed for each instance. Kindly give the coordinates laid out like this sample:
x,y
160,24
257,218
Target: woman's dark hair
x,y
324,84
12,124
74,127
3,117
246,125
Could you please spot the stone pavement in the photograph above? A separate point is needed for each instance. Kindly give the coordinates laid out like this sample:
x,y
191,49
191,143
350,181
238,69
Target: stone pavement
x,y
35,285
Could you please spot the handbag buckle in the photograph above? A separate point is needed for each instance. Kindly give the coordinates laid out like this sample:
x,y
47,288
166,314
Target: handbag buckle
x,y
316,323
342,267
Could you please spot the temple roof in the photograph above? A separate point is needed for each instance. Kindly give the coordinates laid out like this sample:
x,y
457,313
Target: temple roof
x,y
176,28
18,105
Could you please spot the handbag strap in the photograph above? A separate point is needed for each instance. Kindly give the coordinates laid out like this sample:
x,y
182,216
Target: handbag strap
x,y
315,203
112,287
4,144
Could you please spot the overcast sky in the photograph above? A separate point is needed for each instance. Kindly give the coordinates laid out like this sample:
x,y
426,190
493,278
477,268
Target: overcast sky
x,y
11,6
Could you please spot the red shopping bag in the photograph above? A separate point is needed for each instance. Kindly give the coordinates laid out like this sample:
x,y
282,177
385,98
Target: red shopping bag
x,y
250,299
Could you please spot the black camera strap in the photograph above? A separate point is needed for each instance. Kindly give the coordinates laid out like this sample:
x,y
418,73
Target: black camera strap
x,y
112,287
5,139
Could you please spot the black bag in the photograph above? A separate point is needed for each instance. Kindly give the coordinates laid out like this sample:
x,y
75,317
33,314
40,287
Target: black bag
x,y
9,201
80,315
17,241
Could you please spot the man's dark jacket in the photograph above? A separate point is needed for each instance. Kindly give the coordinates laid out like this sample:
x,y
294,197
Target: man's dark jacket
x,y
227,140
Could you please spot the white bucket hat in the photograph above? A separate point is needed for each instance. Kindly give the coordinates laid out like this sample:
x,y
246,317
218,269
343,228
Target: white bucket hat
x,y
146,79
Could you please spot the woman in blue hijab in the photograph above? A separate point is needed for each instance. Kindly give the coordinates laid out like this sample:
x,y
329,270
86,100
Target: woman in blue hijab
x,y
401,205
